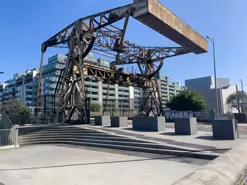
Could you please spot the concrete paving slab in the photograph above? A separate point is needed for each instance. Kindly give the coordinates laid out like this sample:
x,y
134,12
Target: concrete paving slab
x,y
58,165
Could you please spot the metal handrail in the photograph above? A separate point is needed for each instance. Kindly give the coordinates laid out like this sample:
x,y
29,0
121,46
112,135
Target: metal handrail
x,y
8,120
9,137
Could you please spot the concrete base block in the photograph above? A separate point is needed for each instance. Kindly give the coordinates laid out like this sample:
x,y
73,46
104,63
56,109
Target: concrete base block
x,y
185,126
156,124
102,120
119,121
225,129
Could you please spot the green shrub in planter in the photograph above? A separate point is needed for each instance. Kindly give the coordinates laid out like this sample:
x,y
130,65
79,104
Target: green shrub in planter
x,y
95,107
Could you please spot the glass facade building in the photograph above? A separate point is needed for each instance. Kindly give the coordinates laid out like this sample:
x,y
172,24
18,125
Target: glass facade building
x,y
24,86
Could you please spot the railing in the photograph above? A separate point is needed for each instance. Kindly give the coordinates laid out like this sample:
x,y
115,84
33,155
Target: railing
x,y
8,132
5,122
9,137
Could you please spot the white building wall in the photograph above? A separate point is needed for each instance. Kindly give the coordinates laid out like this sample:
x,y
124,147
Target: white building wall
x,y
131,91
116,96
131,96
100,95
225,93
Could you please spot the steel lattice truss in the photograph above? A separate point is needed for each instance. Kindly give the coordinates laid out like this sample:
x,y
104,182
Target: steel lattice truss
x,y
98,34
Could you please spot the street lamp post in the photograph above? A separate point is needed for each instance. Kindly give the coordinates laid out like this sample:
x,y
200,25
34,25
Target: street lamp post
x,y
241,96
242,85
215,78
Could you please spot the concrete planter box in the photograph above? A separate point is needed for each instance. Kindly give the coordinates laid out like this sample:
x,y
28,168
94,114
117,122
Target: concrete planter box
x,y
185,126
119,121
103,120
156,124
225,129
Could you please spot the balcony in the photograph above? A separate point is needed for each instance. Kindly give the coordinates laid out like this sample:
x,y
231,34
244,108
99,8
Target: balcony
x,y
52,79
94,84
93,96
123,88
94,102
50,86
29,86
123,93
57,73
111,86
123,98
28,96
93,89
28,78
29,90
109,97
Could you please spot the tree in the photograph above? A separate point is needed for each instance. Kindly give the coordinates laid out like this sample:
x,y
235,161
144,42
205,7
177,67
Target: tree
x,y
187,101
17,112
95,107
237,100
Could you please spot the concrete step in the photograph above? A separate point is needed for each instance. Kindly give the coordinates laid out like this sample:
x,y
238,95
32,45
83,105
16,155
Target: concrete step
x,y
69,130
201,155
134,143
68,133
33,129
70,136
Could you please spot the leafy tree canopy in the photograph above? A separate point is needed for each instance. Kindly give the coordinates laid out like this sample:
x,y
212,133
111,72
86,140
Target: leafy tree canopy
x,y
17,112
95,107
236,100
188,101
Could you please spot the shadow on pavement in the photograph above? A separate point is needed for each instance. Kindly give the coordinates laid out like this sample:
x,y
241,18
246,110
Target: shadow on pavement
x,y
170,134
136,130
211,138
85,164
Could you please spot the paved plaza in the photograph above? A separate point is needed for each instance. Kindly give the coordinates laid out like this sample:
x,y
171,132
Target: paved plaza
x,y
79,165
64,165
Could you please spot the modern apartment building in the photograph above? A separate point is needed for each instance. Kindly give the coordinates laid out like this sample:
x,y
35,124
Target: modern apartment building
x,y
8,90
206,87
20,87
168,88
24,86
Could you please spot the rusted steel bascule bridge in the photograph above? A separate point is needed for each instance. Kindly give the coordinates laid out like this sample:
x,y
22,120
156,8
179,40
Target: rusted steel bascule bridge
x,y
98,33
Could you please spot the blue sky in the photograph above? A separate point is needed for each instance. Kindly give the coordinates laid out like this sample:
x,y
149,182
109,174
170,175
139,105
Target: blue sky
x,y
25,24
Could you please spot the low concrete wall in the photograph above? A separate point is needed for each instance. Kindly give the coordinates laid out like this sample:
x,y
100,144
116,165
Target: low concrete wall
x,y
228,169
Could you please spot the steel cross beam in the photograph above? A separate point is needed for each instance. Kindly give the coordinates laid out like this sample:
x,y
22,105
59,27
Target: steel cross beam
x,y
92,24
108,42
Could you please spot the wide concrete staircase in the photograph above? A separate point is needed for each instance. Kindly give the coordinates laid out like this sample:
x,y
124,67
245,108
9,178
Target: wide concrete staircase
x,y
100,139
